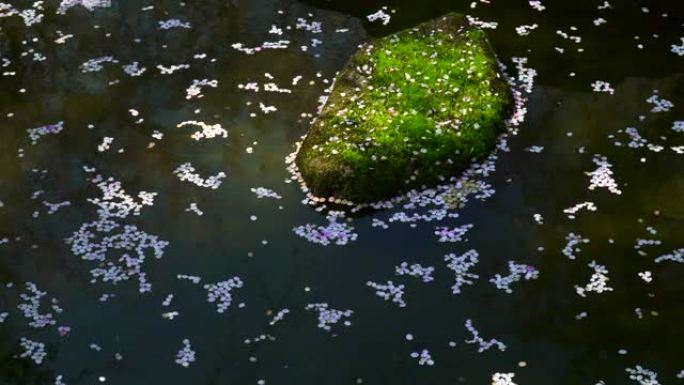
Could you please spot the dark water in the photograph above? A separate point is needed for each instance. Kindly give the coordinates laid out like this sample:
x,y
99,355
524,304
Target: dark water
x,y
537,322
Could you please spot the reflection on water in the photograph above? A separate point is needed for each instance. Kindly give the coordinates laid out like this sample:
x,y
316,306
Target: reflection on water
x,y
255,301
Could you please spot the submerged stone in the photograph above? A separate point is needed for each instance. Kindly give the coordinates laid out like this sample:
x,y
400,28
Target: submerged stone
x,y
408,110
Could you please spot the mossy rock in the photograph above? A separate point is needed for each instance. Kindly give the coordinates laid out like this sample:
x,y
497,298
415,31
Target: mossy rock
x,y
408,110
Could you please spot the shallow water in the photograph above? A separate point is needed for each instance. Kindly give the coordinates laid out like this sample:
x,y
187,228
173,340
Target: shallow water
x,y
537,321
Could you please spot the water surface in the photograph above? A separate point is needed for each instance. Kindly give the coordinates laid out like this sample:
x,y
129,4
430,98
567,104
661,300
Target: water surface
x,y
538,321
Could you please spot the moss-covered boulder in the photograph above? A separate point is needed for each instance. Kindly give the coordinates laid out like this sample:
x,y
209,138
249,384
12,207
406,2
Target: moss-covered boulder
x,y
410,109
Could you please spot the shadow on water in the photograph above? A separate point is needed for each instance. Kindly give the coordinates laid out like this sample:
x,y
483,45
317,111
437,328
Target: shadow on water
x,y
607,51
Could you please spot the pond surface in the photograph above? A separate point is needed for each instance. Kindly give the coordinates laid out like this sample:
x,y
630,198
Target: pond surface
x,y
109,320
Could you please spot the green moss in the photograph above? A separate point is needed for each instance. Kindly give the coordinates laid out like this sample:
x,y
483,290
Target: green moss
x,y
406,110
